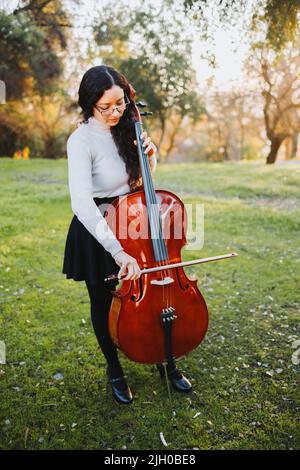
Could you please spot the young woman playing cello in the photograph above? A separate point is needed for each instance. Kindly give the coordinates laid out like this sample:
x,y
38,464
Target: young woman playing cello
x,y
102,165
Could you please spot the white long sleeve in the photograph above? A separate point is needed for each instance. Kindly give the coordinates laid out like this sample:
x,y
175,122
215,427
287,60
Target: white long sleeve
x,y
95,169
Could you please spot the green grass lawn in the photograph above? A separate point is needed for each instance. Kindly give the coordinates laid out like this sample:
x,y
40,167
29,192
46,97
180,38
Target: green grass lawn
x,y
244,373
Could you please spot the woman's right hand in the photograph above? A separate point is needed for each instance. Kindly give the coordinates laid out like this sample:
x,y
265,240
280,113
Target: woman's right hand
x,y
128,264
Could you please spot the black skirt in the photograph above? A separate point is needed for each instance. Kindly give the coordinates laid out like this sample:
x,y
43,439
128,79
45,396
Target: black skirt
x,y
85,258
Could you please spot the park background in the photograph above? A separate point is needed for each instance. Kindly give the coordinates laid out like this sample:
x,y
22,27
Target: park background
x,y
222,80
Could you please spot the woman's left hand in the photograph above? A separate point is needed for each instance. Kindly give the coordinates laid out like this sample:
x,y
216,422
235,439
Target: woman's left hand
x,y
148,145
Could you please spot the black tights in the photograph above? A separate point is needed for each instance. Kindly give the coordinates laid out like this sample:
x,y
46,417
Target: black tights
x,y
101,297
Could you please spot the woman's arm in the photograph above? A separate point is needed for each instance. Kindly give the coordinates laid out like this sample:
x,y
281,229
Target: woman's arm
x,y
81,192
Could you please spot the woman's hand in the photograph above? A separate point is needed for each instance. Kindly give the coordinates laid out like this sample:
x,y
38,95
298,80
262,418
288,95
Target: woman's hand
x,y
129,264
149,148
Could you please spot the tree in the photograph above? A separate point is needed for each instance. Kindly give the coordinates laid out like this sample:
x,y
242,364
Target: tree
x,y
162,75
30,38
278,75
32,45
281,17
229,123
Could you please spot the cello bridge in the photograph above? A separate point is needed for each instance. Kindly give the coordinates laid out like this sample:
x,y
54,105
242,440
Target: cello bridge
x,y
162,282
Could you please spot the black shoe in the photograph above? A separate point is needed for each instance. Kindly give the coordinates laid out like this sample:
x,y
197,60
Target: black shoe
x,y
179,382
121,391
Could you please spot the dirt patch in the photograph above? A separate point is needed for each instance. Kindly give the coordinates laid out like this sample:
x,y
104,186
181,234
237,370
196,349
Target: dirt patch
x,y
287,204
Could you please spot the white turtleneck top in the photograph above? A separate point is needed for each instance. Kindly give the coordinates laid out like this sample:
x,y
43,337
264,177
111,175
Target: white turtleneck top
x,y
95,169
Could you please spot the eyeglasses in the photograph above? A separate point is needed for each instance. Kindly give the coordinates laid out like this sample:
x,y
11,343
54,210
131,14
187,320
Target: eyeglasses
x,y
119,108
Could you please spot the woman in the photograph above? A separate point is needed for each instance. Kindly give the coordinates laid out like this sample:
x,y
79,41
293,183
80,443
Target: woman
x,y
102,165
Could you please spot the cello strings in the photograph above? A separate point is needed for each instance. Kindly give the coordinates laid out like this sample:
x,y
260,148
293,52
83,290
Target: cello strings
x,y
160,243
153,208
153,219
150,196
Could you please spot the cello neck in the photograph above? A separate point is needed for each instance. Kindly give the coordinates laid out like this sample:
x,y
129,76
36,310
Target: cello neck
x,y
158,243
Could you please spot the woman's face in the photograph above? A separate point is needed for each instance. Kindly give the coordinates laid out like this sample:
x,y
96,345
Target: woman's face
x,y
107,104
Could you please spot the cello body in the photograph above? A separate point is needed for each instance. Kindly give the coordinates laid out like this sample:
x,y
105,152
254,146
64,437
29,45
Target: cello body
x,y
162,315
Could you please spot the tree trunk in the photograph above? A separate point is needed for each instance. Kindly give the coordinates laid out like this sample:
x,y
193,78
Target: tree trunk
x,y
176,126
294,145
50,147
226,157
275,145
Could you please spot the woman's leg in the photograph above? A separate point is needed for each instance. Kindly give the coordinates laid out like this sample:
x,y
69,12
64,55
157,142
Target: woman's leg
x,y
100,298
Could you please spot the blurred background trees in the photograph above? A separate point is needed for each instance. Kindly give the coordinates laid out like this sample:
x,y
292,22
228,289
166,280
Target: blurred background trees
x,y
46,46
280,80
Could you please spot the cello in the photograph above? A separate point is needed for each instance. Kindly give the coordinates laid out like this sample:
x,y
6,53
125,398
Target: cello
x,y
162,315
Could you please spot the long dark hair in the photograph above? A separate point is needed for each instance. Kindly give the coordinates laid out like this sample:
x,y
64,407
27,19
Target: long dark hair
x,y
94,83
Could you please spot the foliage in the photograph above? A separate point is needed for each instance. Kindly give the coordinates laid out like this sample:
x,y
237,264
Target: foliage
x,y
281,17
282,20
29,42
162,75
278,78
31,46
151,45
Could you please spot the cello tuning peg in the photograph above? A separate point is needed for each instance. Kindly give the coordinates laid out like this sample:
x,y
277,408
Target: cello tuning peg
x,y
141,104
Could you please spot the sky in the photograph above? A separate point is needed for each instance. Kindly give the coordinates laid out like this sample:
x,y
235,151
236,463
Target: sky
x,y
230,45
229,62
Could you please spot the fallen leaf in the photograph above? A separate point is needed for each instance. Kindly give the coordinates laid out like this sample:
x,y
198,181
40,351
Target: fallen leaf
x,y
58,376
295,357
163,439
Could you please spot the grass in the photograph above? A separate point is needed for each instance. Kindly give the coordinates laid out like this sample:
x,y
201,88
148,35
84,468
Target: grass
x,y
244,379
